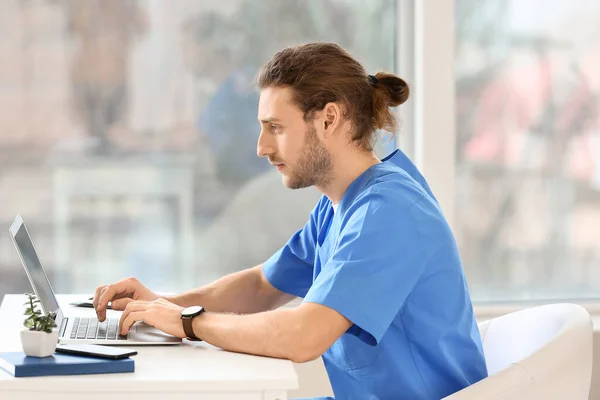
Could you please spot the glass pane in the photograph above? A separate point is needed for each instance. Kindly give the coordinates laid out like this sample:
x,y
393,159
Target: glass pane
x,y
128,133
528,150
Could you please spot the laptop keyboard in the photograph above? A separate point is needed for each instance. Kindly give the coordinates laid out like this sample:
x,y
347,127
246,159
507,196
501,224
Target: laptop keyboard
x,y
91,328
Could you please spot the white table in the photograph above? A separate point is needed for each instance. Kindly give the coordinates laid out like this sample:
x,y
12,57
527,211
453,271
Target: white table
x,y
191,371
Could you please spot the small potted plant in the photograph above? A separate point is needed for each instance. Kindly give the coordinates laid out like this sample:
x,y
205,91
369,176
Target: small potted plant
x,y
38,338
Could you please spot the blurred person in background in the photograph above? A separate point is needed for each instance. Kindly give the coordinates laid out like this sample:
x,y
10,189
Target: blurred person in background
x,y
105,31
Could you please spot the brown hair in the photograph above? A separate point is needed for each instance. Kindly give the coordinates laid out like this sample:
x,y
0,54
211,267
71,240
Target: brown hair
x,y
320,73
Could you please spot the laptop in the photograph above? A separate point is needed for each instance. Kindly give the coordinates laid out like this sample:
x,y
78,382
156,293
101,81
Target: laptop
x,y
78,328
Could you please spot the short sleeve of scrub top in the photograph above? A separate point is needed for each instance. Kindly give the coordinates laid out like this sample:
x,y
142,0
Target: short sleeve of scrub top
x,y
291,268
376,260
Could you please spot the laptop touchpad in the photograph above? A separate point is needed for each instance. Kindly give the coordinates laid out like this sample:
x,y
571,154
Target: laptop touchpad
x,y
144,332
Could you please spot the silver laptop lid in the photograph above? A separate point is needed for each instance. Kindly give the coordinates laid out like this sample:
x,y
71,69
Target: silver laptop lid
x,y
33,267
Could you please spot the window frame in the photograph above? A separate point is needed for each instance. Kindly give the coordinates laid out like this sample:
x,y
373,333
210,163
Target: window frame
x,y
425,42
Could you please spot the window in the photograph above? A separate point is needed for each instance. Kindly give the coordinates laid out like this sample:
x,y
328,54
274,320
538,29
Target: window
x,y
128,133
528,148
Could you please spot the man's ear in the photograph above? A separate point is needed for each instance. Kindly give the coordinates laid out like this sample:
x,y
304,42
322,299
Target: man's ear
x,y
332,118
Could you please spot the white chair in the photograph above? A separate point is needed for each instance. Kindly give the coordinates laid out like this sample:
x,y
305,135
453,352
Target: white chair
x,y
542,352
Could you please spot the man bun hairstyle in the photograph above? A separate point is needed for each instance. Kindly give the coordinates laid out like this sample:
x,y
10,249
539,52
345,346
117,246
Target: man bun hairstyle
x,y
320,73
390,91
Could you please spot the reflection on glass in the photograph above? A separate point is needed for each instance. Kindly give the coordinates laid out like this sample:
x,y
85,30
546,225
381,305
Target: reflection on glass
x,y
528,151
128,132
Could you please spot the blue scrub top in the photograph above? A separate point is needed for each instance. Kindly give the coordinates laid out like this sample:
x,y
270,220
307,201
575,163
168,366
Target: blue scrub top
x,y
386,259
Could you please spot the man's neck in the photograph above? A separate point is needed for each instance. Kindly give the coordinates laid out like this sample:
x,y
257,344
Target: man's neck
x,y
347,167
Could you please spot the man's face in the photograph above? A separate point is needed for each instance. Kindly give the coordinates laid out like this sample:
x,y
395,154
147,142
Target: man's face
x,y
290,143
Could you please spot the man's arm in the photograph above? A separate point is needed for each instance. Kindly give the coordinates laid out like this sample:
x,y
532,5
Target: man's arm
x,y
300,334
243,292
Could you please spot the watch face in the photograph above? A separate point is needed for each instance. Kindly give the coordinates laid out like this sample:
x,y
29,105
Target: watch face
x,y
191,311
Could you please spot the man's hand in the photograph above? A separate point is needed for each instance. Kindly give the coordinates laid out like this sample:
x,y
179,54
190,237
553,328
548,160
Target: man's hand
x,y
120,294
159,313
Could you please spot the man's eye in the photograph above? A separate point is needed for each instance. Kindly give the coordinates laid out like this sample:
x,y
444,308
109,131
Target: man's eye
x,y
275,128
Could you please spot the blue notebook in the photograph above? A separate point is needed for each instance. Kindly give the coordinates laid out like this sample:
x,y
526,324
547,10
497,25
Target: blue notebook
x,y
20,365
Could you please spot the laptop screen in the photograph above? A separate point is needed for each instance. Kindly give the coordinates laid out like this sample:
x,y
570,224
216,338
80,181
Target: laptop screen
x,y
33,267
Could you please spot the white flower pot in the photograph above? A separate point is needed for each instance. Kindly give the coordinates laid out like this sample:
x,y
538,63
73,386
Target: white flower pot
x,y
39,344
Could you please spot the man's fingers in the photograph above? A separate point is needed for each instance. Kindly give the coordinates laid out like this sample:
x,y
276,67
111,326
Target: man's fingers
x,y
133,306
131,319
110,292
120,304
106,295
97,295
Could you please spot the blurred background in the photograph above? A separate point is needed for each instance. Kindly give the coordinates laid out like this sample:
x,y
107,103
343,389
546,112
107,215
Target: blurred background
x,y
528,148
128,138
128,133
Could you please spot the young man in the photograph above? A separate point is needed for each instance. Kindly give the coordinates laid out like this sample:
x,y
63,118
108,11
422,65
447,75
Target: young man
x,y
385,298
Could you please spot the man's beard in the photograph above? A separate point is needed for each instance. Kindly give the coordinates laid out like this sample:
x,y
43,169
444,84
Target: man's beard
x,y
314,166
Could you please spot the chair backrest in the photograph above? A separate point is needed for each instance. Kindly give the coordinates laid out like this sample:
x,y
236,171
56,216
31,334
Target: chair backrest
x,y
538,353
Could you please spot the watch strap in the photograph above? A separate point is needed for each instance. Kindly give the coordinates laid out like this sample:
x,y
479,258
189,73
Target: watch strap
x,y
188,329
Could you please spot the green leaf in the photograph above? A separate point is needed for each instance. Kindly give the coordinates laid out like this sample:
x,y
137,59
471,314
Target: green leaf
x,y
37,320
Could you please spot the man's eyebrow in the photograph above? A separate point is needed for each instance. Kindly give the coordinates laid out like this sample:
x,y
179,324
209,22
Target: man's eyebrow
x,y
269,120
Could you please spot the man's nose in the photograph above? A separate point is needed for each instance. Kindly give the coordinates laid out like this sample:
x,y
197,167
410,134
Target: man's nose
x,y
263,147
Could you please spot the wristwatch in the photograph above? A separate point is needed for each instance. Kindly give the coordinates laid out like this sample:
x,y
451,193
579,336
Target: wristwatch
x,y
187,315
